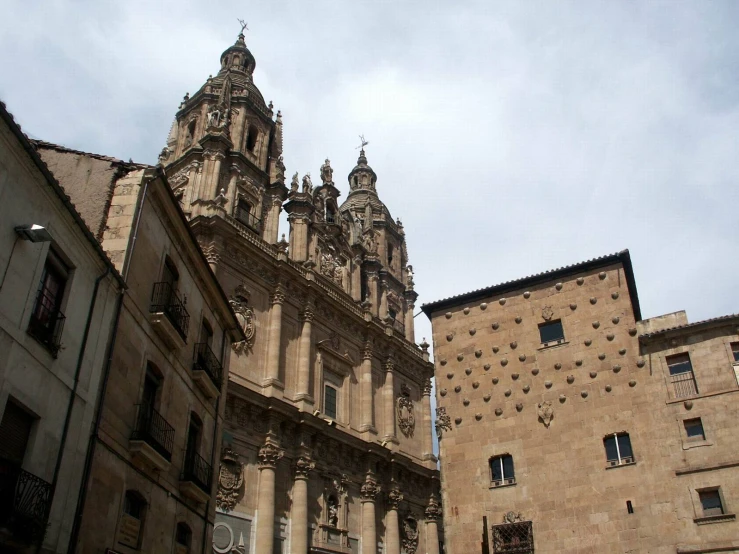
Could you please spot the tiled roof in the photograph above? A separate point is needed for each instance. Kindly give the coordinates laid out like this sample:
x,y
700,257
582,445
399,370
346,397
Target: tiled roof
x,y
545,276
114,161
690,326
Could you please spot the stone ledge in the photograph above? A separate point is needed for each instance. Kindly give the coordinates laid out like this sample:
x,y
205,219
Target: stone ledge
x,y
714,519
697,469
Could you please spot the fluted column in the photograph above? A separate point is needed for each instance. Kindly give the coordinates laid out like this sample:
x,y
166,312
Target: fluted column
x,y
269,454
366,390
215,177
392,529
272,223
235,174
426,436
304,356
298,237
299,511
389,402
410,332
368,492
373,292
433,513
272,377
383,299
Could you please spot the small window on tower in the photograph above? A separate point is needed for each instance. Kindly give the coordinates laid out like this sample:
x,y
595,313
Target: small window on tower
x,y
251,138
390,255
551,333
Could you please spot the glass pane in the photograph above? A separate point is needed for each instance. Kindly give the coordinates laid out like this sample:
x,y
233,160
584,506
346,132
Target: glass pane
x,y
694,428
508,467
711,502
330,402
611,453
624,445
496,469
735,350
551,331
679,364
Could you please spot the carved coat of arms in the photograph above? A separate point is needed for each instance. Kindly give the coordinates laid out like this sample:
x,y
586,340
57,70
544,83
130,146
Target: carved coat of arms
x,y
545,412
547,312
443,421
404,409
230,479
245,315
410,535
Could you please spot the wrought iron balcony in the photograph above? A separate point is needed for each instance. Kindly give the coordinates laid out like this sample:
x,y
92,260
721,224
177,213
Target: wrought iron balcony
x,y
154,430
164,299
205,360
197,470
247,218
47,322
25,500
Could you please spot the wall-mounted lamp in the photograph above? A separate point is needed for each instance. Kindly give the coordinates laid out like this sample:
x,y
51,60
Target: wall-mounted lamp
x,y
34,233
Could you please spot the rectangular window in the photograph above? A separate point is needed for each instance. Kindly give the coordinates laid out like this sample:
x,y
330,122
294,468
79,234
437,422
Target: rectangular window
x,y
618,449
711,503
694,429
15,430
501,470
735,351
681,375
552,332
47,319
329,401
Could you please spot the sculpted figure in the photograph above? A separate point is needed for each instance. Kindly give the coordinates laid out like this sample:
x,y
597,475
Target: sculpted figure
x,y
294,183
307,184
327,173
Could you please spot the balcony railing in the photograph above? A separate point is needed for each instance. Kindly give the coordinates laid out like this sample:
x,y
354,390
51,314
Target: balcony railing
x,y
399,326
206,361
165,299
683,384
47,322
248,219
25,500
198,471
154,430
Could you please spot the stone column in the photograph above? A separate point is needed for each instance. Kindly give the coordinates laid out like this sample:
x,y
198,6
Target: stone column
x,y
389,402
269,454
368,492
410,332
304,357
426,435
272,221
191,185
215,178
392,529
433,513
357,279
235,174
298,237
275,339
383,299
366,390
299,512
373,292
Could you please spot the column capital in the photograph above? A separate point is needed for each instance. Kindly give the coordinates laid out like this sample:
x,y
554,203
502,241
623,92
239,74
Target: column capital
x,y
427,386
433,509
394,498
389,364
269,455
370,489
303,466
278,295
307,313
367,351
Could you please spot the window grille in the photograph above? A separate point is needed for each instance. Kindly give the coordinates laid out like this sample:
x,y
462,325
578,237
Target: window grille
x,y
513,538
681,375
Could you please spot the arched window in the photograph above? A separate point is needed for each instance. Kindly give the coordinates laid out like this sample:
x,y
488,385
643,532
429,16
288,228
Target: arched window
x,y
132,520
182,538
251,138
390,253
190,136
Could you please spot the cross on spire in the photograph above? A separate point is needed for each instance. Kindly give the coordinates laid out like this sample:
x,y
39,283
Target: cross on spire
x,y
364,142
243,25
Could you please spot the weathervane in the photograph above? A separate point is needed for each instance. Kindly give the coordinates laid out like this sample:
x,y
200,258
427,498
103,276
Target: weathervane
x,y
243,25
364,142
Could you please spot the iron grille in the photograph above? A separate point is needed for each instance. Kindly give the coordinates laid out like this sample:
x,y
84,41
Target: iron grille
x,y
25,500
513,538
197,470
206,361
684,384
165,299
247,218
153,429
47,322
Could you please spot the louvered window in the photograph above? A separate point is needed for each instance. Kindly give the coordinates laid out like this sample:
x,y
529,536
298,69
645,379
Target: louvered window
x,y
15,430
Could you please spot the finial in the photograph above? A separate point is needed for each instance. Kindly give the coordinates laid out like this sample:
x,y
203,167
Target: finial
x,y
364,143
243,27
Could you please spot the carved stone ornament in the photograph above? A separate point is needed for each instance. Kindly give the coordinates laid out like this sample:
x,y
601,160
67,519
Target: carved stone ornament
x,y
269,455
546,313
545,412
370,489
230,480
303,466
410,534
433,510
245,315
404,410
327,173
443,421
394,498
512,517
332,268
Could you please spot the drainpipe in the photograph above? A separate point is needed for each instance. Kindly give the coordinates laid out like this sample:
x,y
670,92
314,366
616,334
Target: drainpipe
x,y
213,453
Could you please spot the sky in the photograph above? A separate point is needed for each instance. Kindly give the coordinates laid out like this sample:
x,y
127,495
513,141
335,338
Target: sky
x,y
510,137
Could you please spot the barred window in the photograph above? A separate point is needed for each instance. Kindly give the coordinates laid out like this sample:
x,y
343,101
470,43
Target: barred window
x,y
681,375
513,538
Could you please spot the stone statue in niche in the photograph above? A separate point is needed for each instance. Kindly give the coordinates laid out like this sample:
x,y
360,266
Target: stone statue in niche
x,y
332,511
410,535
214,117
294,183
164,155
327,173
404,410
369,242
245,315
545,412
230,480
409,272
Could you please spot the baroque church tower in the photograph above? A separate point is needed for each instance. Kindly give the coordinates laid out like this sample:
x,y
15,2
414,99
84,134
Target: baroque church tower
x,y
328,417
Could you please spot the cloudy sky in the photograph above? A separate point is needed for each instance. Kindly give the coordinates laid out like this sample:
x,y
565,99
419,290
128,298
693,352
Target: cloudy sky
x,y
510,137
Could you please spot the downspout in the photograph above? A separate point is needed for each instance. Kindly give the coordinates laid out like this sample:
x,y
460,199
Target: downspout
x,y
73,395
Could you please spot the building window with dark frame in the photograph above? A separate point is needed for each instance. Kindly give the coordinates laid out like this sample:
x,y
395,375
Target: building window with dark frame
x,y
551,333
694,429
516,537
735,351
618,449
502,471
47,319
15,431
182,538
330,401
132,520
681,375
711,502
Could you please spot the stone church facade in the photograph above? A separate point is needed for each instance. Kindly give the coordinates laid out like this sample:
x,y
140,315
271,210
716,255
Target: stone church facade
x,y
327,444
568,423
